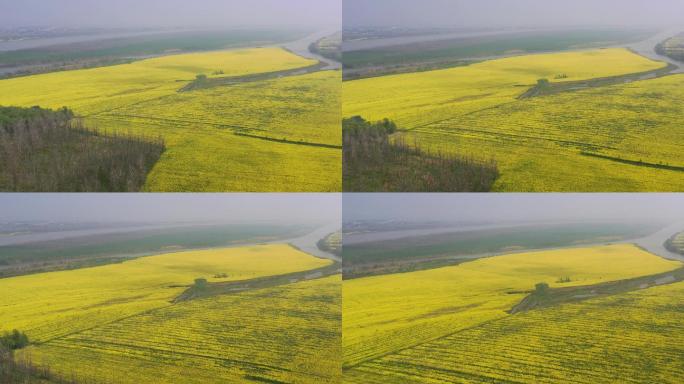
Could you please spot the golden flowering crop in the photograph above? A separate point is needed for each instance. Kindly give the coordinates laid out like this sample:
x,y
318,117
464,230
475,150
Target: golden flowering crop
x,y
385,314
635,337
51,305
199,127
288,334
538,142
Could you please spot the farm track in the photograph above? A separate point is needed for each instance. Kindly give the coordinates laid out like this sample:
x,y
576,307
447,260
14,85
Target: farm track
x,y
558,296
233,287
235,80
572,86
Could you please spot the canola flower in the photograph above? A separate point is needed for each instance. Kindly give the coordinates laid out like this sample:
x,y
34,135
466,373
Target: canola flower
x,y
292,122
51,305
633,337
388,313
547,143
288,333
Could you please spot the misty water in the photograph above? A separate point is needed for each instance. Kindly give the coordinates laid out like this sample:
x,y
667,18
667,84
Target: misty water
x,y
367,44
16,45
309,242
301,47
27,238
370,237
655,243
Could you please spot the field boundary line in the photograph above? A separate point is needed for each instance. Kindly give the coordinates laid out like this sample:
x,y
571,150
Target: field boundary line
x,y
351,366
104,324
286,141
151,349
634,162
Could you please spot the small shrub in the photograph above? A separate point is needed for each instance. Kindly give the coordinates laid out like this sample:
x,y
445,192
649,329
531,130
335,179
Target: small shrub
x,y
14,340
543,83
541,288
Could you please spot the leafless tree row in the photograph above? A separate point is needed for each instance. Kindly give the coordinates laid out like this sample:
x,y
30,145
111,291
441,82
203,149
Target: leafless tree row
x,y
50,151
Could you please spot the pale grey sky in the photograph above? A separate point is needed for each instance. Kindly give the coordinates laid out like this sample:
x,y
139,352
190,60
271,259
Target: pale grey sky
x,y
171,13
230,207
505,13
513,207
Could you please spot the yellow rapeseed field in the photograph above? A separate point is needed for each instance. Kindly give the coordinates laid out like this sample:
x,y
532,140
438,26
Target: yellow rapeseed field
x,y
634,337
285,334
52,305
384,314
199,127
541,144
415,99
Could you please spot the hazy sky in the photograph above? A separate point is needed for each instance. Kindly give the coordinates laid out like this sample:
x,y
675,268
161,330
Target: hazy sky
x,y
171,207
155,13
506,207
487,13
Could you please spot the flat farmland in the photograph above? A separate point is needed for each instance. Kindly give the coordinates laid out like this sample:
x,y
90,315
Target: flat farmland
x,y
635,337
87,297
386,316
621,137
124,323
285,334
271,133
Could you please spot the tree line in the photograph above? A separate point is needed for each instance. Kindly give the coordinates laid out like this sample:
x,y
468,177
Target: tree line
x,y
42,150
375,161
